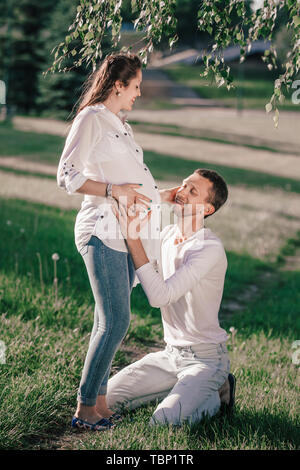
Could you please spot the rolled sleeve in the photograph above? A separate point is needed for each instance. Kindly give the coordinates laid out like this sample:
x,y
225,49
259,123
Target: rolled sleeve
x,y
82,138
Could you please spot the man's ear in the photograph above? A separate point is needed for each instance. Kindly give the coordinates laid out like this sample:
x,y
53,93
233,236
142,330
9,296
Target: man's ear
x,y
209,209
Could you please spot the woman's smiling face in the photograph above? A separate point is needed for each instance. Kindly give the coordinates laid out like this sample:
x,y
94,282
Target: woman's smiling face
x,y
131,92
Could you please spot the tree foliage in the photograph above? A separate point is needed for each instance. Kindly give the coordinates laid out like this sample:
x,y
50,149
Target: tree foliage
x,y
226,21
22,57
58,91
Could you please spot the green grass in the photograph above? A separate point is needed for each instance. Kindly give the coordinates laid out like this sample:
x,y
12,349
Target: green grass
x,y
253,85
47,339
42,148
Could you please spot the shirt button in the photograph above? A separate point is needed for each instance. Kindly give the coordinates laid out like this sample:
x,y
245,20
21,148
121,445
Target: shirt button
x,y
137,150
145,169
125,133
117,135
155,187
101,216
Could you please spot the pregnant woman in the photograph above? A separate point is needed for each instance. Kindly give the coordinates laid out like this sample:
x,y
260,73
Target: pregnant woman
x,y
102,161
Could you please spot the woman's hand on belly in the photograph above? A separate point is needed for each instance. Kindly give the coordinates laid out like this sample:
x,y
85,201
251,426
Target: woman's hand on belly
x,y
127,196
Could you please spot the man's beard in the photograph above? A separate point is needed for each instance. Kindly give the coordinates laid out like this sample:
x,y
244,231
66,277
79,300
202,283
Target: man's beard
x,y
182,211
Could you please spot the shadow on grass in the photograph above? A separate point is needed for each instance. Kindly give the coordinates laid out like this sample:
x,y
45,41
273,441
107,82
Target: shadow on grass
x,y
249,427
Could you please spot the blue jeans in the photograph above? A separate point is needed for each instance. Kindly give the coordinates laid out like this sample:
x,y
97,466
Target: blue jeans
x,y
111,275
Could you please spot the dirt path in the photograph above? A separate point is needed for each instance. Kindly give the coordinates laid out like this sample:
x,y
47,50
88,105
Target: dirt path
x,y
193,149
229,155
250,123
253,221
18,163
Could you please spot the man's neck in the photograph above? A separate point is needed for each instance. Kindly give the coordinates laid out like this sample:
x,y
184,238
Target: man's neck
x,y
189,225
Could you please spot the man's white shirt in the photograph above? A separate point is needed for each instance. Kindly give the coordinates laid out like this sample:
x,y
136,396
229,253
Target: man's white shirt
x,y
188,287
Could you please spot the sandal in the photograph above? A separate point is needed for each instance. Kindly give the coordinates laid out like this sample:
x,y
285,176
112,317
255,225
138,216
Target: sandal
x,y
102,425
115,418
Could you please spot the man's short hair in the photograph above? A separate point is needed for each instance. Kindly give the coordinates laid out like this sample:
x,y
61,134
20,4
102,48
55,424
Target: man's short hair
x,y
218,193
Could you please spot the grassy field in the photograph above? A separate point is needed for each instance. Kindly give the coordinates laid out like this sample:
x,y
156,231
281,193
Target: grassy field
x,y
46,328
46,335
253,83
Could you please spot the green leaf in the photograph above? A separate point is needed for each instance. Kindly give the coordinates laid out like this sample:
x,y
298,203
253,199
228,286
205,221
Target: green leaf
x,y
281,99
89,35
296,20
269,107
276,118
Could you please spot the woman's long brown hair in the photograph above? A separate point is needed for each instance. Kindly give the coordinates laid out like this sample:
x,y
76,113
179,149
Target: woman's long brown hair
x,y
100,83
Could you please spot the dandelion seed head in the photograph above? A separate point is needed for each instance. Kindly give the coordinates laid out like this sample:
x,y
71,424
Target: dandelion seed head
x,y
55,257
9,222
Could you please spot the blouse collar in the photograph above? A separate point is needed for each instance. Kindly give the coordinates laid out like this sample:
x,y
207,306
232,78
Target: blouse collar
x,y
116,118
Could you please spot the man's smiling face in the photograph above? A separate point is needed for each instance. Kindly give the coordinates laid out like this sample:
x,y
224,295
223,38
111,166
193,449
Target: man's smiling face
x,y
193,195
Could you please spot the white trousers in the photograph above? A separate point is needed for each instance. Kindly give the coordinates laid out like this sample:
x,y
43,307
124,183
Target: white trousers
x,y
185,379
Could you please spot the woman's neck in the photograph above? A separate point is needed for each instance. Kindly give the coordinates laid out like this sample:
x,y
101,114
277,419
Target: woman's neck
x,y
112,104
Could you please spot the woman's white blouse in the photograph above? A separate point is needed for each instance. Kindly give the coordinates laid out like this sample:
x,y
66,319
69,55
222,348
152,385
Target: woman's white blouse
x,y
101,147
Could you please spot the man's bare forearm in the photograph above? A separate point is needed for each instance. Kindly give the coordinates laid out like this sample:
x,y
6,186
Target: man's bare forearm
x,y
137,252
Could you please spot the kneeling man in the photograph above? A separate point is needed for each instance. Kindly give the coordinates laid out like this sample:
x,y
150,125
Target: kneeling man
x,y
191,375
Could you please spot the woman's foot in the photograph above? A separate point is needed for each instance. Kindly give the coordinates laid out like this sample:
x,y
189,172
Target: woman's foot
x,y
104,412
102,408
88,413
